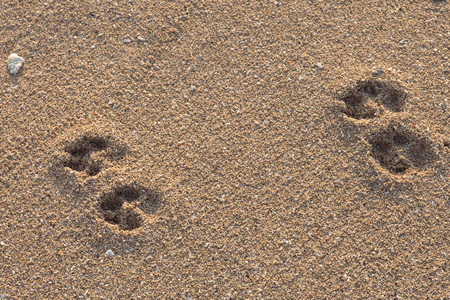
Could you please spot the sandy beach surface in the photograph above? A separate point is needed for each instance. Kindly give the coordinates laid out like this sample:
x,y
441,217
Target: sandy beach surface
x,y
225,150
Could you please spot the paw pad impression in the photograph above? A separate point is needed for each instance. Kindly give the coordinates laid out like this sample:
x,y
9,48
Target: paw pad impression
x,y
124,205
80,151
397,150
371,97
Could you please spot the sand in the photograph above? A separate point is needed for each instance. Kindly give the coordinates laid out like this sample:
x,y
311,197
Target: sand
x,y
225,150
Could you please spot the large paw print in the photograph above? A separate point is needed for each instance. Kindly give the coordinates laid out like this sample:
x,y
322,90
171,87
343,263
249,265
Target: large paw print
x,y
370,98
79,153
125,205
397,150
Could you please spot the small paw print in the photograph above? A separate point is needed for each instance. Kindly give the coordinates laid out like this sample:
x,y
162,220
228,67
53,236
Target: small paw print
x,y
397,149
370,98
78,154
126,205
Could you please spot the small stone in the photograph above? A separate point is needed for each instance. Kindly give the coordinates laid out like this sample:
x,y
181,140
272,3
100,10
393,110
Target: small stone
x,y
110,253
192,90
15,62
319,67
377,72
127,40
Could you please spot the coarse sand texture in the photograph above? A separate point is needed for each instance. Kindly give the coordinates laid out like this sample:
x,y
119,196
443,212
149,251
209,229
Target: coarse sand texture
x,y
224,149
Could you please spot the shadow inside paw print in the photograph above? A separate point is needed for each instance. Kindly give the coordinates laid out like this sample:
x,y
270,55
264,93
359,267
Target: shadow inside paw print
x,y
370,97
80,153
397,150
138,199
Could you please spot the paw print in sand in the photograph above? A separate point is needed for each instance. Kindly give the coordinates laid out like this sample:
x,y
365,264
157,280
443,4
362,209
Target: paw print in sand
x,y
370,98
127,205
397,149
78,154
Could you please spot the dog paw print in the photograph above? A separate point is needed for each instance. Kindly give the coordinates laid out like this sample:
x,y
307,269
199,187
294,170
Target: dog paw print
x,y
397,150
370,98
81,150
394,148
126,205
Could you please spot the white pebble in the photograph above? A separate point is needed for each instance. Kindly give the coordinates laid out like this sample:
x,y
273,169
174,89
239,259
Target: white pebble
x,y
110,253
15,62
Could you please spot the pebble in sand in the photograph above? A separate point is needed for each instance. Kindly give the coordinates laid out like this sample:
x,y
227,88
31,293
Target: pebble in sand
x,y
15,63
